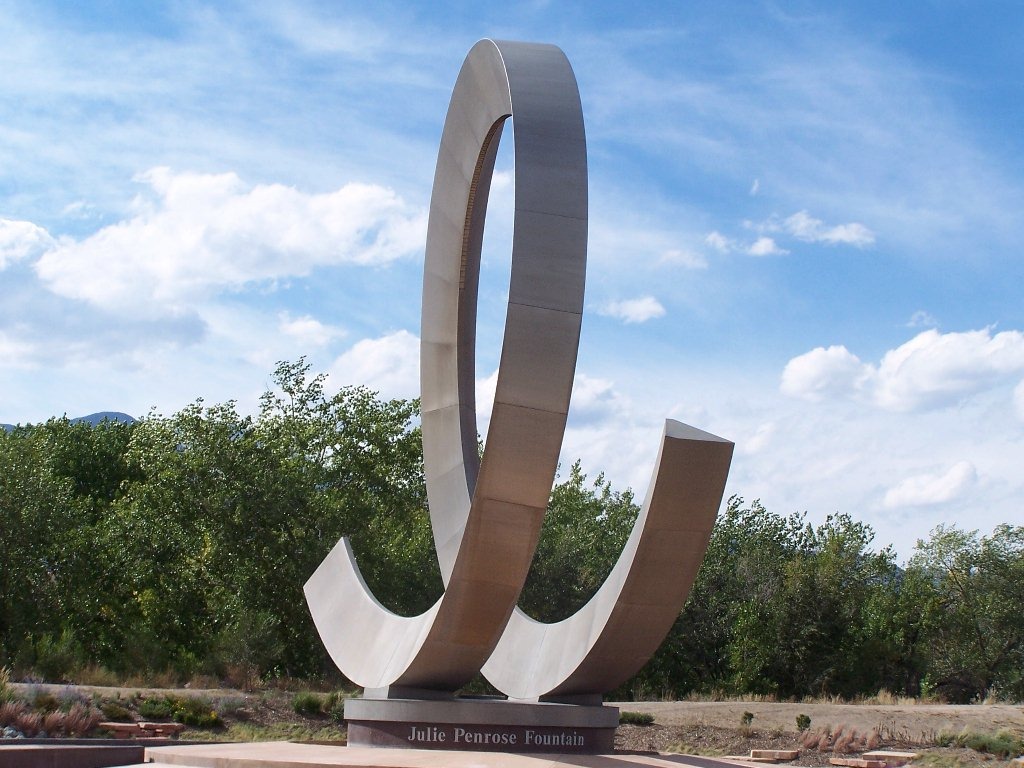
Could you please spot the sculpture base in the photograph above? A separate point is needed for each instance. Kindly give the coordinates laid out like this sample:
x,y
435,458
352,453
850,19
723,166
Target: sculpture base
x,y
481,724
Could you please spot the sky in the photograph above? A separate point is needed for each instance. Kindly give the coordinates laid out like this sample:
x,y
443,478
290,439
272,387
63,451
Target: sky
x,y
805,227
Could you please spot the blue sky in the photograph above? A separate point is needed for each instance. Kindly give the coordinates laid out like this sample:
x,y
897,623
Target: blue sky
x,y
805,226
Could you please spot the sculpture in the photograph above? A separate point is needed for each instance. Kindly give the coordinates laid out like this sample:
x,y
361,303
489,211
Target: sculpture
x,y
486,514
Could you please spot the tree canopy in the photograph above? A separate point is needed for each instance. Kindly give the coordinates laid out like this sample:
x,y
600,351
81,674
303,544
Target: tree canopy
x,y
182,543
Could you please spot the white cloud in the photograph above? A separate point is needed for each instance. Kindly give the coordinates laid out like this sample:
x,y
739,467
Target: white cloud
x,y
308,331
638,310
803,226
822,372
1018,400
935,369
485,389
684,258
755,187
594,400
928,489
765,246
389,365
22,240
932,370
502,181
15,352
718,241
922,319
200,233
758,440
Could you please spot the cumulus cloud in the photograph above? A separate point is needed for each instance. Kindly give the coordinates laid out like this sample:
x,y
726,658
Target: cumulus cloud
x,y
932,370
822,372
22,240
935,369
389,365
928,489
307,330
195,234
803,226
1018,400
638,310
765,246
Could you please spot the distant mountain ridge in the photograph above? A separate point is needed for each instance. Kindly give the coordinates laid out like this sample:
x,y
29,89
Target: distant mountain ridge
x,y
92,419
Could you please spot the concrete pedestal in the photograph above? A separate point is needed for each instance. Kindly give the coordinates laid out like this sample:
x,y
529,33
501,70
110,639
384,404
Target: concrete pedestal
x,y
490,725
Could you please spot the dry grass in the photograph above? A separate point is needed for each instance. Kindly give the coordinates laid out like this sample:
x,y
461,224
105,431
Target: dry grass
x,y
275,732
841,741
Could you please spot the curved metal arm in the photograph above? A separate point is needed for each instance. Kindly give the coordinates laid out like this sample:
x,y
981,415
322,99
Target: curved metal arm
x,y
486,516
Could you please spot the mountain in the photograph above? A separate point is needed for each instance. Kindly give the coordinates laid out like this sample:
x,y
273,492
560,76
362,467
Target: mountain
x,y
93,419
96,418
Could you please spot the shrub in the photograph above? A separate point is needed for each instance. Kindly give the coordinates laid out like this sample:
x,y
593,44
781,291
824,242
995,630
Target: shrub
x,y
113,711
747,718
80,719
10,711
197,712
803,722
53,723
308,703
635,718
156,709
95,674
1000,744
231,706
334,705
29,723
6,694
57,658
44,702
945,739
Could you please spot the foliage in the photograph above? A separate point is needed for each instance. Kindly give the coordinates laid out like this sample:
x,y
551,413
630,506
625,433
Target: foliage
x,y
177,546
308,703
157,708
113,711
627,717
1001,744
334,706
6,693
183,542
973,619
803,722
196,711
584,530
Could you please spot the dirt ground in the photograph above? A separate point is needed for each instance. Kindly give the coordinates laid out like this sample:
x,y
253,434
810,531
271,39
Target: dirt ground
x,y
717,728
706,727
909,722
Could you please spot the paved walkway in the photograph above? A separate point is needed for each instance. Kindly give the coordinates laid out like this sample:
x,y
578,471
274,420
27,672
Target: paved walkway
x,y
286,755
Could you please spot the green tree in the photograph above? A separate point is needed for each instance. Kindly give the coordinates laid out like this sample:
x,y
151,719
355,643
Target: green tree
x,y
584,531
35,506
807,636
975,620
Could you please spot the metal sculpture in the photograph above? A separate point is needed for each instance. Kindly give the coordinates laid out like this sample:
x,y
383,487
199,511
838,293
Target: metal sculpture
x,y
486,514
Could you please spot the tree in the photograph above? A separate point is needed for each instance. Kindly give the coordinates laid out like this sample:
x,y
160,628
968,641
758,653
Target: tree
x,y
584,531
975,620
